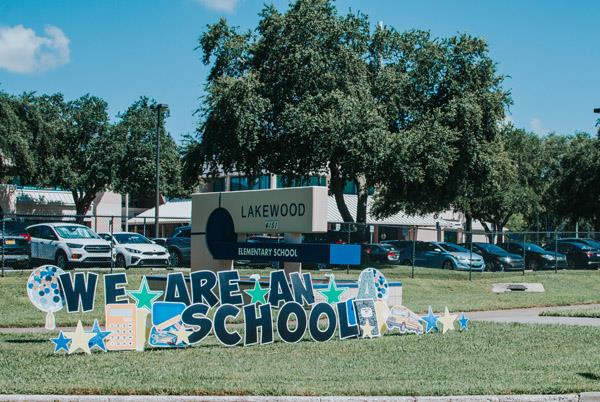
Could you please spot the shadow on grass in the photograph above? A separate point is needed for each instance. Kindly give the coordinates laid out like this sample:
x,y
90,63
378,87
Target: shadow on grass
x,y
26,340
589,376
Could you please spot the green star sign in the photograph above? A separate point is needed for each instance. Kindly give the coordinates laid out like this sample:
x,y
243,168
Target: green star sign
x,y
257,294
333,293
144,297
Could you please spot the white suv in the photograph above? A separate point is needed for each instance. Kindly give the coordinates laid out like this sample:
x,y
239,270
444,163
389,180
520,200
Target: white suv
x,y
135,250
68,245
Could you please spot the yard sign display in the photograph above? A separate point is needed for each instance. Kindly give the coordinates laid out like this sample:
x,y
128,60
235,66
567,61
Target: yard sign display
x,y
190,309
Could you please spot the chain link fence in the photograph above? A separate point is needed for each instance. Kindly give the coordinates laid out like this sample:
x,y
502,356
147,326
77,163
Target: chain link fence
x,y
419,247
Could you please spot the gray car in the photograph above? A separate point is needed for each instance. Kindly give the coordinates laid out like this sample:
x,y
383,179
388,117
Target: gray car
x,y
179,246
443,255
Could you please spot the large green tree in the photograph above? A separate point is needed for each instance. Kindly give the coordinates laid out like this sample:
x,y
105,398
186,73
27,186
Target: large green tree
x,y
444,102
576,185
293,99
73,145
15,156
515,183
135,131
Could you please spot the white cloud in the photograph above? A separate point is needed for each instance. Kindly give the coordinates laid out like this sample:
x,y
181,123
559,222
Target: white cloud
x,y
537,126
23,51
220,5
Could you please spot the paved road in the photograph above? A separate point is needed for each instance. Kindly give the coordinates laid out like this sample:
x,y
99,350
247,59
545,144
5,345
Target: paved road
x,y
532,316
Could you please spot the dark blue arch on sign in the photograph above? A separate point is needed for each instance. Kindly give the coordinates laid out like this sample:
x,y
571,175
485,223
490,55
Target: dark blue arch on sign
x,y
220,233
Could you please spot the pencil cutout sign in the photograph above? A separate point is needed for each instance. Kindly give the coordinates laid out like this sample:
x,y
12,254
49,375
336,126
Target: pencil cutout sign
x,y
287,309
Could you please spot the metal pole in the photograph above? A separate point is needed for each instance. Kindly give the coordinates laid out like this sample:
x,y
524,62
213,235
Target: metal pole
x,y
555,252
471,256
2,241
127,212
112,261
156,232
412,273
144,226
348,266
524,253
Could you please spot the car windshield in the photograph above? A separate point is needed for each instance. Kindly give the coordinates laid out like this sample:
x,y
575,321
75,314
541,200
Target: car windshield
x,y
491,248
535,247
75,232
13,228
131,238
453,248
388,247
593,243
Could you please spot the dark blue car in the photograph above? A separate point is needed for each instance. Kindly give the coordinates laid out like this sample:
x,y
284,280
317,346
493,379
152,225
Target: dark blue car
x,y
179,246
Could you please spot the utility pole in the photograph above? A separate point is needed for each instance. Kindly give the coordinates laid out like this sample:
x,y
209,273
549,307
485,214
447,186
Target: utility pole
x,y
159,107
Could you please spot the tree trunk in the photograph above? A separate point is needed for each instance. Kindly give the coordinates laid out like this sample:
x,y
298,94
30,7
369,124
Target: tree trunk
x,y
363,197
83,201
336,186
468,228
489,233
361,206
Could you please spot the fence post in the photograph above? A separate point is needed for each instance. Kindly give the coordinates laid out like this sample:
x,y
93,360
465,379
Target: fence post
x,y
414,242
471,256
524,252
2,241
144,226
112,261
555,252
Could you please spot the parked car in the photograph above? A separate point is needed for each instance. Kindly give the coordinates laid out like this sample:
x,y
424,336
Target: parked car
x,y
399,244
585,240
443,255
68,245
262,239
179,246
496,258
535,256
380,252
17,243
136,250
579,254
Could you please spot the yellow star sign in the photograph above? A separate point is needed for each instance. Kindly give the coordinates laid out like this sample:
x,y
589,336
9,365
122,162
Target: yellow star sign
x,y
447,321
367,330
80,339
182,335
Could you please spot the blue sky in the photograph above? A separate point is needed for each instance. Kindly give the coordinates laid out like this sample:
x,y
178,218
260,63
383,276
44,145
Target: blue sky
x,y
120,50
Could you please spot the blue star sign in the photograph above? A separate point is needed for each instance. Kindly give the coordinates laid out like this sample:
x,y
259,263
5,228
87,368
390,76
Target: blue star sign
x,y
61,343
430,321
463,322
98,339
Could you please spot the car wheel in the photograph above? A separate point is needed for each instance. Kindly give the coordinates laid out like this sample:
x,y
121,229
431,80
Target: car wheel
x,y
495,266
121,263
533,265
61,261
448,265
175,260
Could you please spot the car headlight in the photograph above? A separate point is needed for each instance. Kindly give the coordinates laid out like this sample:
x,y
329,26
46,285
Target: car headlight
x,y
132,250
463,258
506,259
74,245
548,257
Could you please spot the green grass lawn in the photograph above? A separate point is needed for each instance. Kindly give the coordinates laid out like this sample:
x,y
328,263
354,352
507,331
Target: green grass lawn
x,y
584,313
433,287
487,359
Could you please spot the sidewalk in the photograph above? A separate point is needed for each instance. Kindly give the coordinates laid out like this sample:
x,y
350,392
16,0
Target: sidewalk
x,y
583,397
532,316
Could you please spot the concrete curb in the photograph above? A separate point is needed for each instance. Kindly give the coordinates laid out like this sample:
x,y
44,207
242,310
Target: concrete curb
x,y
583,397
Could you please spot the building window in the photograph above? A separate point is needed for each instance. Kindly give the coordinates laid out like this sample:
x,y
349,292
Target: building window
x,y
218,184
245,183
351,188
302,181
